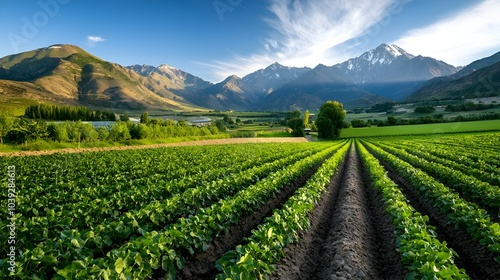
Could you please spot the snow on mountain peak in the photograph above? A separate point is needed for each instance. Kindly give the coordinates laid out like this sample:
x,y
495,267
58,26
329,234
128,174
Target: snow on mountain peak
x,y
167,67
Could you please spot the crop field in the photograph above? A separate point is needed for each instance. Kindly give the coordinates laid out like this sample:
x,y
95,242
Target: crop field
x,y
371,208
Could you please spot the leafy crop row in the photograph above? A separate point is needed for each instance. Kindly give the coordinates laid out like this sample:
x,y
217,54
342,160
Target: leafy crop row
x,y
461,213
71,245
62,182
265,246
484,194
83,254
52,237
167,249
56,220
422,253
448,157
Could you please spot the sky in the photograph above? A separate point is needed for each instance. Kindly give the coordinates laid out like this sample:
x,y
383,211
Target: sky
x,y
214,39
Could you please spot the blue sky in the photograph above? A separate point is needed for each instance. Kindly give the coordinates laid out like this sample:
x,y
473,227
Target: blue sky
x,y
216,38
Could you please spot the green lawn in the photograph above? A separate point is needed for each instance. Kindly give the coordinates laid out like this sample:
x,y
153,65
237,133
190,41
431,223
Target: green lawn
x,y
422,129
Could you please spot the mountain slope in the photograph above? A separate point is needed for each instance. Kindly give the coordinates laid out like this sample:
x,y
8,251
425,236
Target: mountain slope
x,y
433,89
273,77
170,82
484,82
232,93
312,89
67,72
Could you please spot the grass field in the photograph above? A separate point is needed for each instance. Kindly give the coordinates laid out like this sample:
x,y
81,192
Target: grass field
x,y
455,127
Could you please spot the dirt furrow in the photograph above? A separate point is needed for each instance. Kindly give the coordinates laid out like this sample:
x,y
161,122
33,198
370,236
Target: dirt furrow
x,y
475,258
350,235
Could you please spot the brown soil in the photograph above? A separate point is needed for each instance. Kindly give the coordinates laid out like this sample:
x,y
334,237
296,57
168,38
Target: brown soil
x,y
475,258
202,264
189,143
350,235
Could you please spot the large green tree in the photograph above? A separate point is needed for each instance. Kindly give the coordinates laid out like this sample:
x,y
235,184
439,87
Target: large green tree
x,y
330,120
297,126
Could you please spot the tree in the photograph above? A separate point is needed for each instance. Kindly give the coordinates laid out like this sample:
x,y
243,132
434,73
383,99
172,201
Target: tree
x,y
227,119
103,133
391,120
58,132
6,124
221,126
144,118
124,118
119,131
425,109
297,126
330,120
359,123
306,118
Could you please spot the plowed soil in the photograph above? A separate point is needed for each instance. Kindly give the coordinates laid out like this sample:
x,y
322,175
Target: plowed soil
x,y
350,235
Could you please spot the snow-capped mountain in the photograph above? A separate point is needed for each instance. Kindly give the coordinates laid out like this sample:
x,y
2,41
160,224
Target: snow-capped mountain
x,y
382,55
273,77
390,63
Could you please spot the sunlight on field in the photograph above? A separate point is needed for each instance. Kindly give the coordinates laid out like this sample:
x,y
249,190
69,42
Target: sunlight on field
x,y
491,125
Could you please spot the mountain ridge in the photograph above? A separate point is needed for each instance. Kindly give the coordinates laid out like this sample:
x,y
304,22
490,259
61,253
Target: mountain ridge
x,y
68,74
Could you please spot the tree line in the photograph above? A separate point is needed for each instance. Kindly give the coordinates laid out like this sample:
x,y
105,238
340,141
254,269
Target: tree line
x,y
67,113
437,118
24,130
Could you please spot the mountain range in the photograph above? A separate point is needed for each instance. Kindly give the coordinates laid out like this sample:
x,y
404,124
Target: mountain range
x,y
66,74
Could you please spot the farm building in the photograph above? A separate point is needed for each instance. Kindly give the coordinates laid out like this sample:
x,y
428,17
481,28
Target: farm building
x,y
200,122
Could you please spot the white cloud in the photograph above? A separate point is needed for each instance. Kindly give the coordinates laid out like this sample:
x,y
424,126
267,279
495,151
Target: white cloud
x,y
468,35
306,33
93,40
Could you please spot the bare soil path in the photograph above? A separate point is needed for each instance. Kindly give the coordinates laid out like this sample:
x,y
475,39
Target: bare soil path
x,y
350,236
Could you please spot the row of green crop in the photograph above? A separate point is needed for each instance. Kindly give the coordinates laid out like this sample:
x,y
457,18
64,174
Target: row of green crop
x,y
86,265
478,147
91,177
168,249
464,149
484,194
424,256
479,169
460,213
102,211
73,244
264,247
